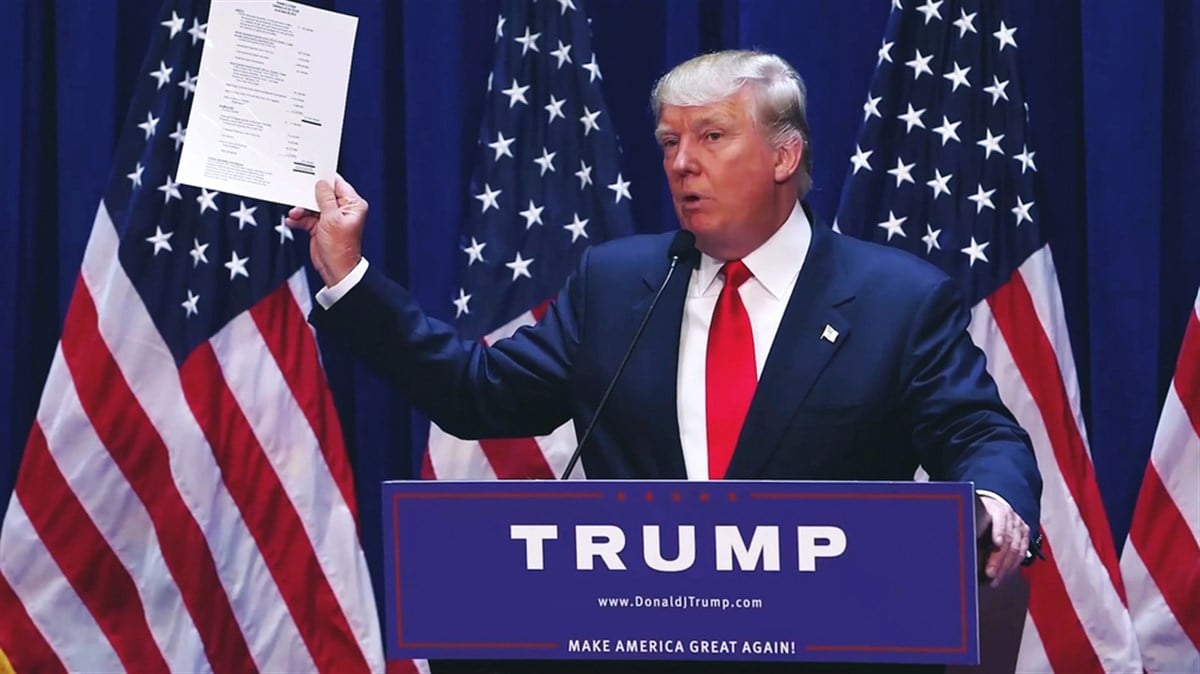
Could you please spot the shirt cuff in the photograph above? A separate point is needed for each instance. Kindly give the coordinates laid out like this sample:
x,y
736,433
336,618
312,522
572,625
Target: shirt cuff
x,y
992,494
327,296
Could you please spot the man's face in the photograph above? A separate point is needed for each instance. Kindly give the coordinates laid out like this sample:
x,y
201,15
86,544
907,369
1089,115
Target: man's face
x,y
722,173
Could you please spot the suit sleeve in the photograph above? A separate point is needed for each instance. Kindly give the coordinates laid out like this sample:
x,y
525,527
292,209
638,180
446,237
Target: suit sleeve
x,y
517,387
960,427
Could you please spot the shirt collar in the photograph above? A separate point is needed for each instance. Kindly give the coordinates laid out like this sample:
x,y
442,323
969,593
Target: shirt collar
x,y
775,264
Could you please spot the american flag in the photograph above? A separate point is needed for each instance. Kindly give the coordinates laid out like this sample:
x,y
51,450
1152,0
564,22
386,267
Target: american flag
x,y
943,169
184,501
1161,558
547,183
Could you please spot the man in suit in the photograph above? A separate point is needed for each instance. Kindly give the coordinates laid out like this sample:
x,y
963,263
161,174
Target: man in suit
x,y
785,351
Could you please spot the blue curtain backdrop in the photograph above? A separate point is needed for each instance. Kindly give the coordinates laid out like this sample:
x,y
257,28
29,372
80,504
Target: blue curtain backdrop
x,y
1113,89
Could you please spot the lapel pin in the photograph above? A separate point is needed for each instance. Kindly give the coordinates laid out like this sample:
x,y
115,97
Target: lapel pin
x,y
829,334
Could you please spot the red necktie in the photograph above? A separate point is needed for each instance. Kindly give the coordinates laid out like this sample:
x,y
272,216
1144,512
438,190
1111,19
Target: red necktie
x,y
730,374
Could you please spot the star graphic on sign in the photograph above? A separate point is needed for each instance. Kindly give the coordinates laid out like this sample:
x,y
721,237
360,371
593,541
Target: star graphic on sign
x,y
532,215
179,135
197,253
903,172
515,93
885,53
1022,211
1005,36
245,216
997,89
592,68
190,304
237,265
966,23
488,198
871,107
982,199
930,10
947,130
528,41
1026,159
161,240
958,76
285,232
546,161
577,228
975,251
589,120
519,267
621,188
861,160
175,23
565,4
501,146
149,125
555,109
920,65
940,184
474,252
563,54
136,176
584,174
912,118
894,226
170,190
991,144
198,31
931,239
460,304
206,200
163,74
500,26
188,84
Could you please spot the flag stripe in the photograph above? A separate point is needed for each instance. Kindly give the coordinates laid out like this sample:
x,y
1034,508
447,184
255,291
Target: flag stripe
x,y
270,515
1165,646
121,424
516,458
24,646
1050,608
1187,373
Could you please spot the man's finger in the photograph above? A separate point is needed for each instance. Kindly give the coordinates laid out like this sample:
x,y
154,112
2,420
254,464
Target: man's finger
x,y
326,199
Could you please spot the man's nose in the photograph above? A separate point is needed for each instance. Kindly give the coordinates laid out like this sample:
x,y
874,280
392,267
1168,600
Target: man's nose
x,y
684,161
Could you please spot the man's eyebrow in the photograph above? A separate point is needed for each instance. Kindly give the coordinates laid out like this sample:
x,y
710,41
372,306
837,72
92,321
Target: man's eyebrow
x,y
707,120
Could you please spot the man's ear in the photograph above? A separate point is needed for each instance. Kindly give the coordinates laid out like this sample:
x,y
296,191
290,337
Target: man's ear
x,y
787,159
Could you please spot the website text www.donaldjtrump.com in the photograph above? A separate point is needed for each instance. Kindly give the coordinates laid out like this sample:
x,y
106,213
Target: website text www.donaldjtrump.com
x,y
679,601
717,646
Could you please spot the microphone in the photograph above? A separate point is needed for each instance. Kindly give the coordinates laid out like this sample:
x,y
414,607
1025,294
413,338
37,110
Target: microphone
x,y
681,248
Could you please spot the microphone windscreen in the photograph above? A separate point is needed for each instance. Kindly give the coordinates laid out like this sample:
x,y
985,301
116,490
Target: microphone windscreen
x,y
682,245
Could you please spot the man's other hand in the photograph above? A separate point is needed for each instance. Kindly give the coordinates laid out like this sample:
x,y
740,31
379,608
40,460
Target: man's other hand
x,y
1010,538
335,233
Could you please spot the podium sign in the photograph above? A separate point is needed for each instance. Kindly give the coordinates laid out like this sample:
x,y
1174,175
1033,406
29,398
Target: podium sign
x,y
646,570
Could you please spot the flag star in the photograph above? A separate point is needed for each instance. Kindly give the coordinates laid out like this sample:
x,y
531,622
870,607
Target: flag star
x,y
871,107
903,172
1005,36
1026,159
947,130
1022,211
577,228
546,161
519,267
940,184
565,5
920,65
500,26
592,68
930,10
188,84
198,31
965,24
621,188
532,215
474,252
244,215
190,304
555,109
460,304
501,146
589,120
982,199
861,159
179,135
237,265
975,251
197,253
488,198
170,190
563,54
149,125
163,74
161,240
285,232
515,93
931,239
894,226
528,41
489,87
896,4
958,76
136,176
206,201
885,53
584,174
991,144
175,23
997,89
912,118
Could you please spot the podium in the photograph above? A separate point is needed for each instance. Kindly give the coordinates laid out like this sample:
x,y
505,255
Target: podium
x,y
669,570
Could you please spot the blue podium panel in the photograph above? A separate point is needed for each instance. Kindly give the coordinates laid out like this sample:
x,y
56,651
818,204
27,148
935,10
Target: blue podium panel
x,y
641,570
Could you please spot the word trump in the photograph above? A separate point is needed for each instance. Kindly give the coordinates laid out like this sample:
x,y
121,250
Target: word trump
x,y
606,543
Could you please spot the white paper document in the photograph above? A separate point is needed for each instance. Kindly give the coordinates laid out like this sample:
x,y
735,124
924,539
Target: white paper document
x,y
267,119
